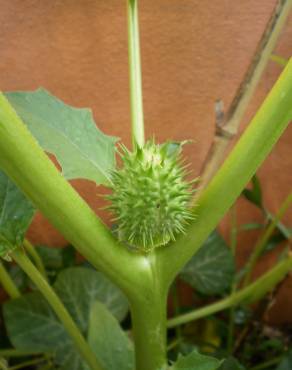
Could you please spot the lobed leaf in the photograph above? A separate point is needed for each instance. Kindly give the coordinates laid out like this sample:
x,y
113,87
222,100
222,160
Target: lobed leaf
x,y
80,287
16,213
82,150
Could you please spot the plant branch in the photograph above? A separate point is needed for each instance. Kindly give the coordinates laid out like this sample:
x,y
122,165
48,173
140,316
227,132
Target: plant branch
x,y
81,345
136,95
253,147
260,245
227,127
36,258
28,166
28,363
267,364
249,294
7,283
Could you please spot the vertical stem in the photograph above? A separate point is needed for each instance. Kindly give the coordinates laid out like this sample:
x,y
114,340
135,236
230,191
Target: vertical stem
x,y
149,326
7,283
136,96
233,245
176,307
36,258
81,345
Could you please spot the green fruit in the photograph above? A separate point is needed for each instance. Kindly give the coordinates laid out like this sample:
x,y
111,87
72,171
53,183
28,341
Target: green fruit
x,y
150,197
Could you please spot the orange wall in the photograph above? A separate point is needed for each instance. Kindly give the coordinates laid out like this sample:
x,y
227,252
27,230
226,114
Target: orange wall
x,y
193,52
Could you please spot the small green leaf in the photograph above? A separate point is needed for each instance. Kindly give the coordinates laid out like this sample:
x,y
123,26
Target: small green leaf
x,y
231,364
196,361
110,343
254,195
16,213
211,269
82,150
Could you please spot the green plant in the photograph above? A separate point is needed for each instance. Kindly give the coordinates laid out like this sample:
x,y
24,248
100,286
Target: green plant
x,y
35,121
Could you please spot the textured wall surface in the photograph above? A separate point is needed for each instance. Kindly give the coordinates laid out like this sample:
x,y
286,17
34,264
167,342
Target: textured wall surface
x,y
193,53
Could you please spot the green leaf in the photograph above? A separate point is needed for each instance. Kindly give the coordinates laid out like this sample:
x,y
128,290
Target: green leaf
x,y
80,287
286,362
211,269
56,259
196,361
32,325
111,344
231,364
254,195
82,150
16,213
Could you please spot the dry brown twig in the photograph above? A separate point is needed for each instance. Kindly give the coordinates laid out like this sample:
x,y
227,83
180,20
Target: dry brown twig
x,y
227,124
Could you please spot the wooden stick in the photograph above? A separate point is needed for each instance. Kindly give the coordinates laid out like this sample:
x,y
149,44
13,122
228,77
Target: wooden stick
x,y
227,124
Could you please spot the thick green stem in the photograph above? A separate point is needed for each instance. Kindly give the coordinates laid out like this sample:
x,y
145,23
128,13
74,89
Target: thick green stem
x,y
149,327
7,283
250,294
36,258
251,150
81,345
260,245
148,311
136,95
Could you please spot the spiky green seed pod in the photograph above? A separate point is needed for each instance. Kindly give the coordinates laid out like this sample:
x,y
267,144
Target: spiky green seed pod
x,y
150,197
